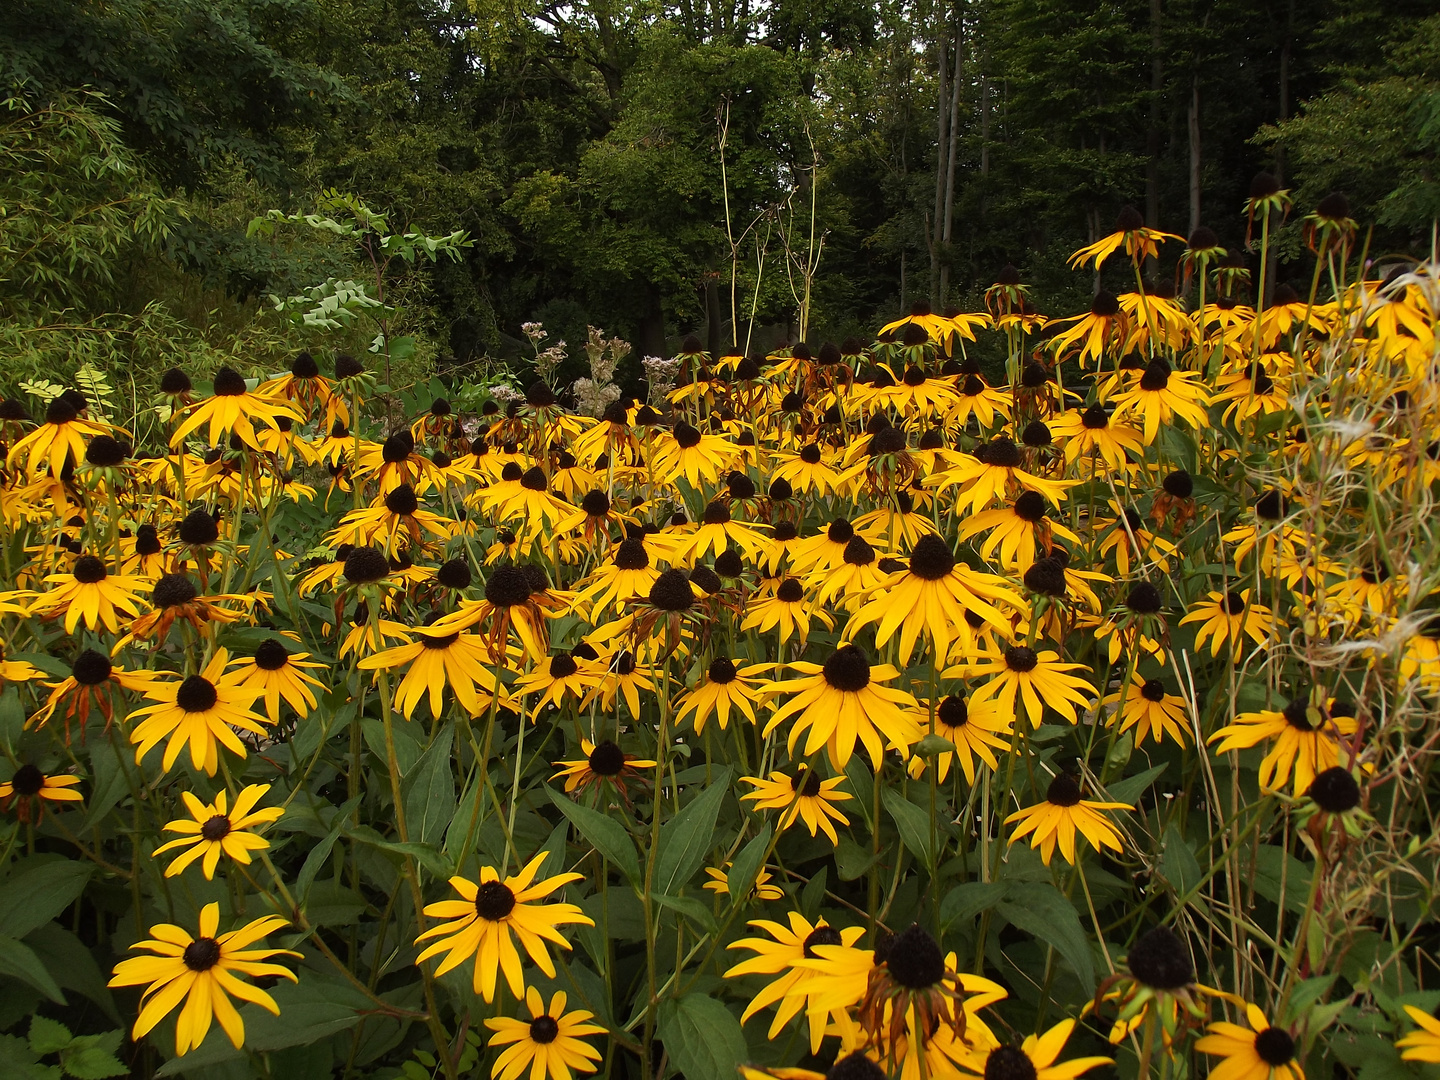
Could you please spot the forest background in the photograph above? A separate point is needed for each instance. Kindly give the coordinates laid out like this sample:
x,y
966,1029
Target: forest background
x,y
747,171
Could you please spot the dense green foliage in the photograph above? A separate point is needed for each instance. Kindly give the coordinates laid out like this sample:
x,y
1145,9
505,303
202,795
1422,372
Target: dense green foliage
x,y
580,148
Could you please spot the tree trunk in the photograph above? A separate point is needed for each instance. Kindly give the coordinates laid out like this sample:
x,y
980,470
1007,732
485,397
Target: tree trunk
x,y
1155,137
1272,268
942,128
951,154
1194,123
652,325
714,320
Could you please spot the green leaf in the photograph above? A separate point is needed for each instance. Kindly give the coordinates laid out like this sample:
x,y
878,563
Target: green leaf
x,y
48,1036
914,826
747,866
72,964
92,1057
312,1010
687,837
1178,864
1276,870
852,861
1132,787
604,834
107,784
429,791
37,891
320,853
20,962
1041,910
968,900
702,1037
18,1061
691,908
427,857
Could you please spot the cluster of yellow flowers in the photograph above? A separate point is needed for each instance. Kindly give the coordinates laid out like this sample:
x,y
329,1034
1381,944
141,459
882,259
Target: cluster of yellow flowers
x,y
870,552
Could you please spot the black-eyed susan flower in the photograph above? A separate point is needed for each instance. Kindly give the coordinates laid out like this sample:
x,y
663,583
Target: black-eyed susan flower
x,y
489,918
1035,678
60,438
1156,979
213,830
1131,233
1151,712
931,597
564,677
176,598
807,471
1020,532
1232,617
725,686
1305,739
788,612
438,658
201,971
1103,329
1063,814
202,711
976,729
622,677
90,593
801,796
913,981
603,762
92,683
396,522
29,789
1161,395
1422,1044
624,579
993,473
512,602
779,956
860,572
550,1045
717,532
1092,436
1259,1052
843,702
233,410
763,887
1037,1058
688,454
280,673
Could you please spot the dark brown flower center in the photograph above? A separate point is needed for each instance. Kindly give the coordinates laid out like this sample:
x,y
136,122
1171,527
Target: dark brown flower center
x,y
1159,960
1274,1046
270,655
88,570
1153,690
196,694
544,1029
27,781
202,954
847,670
672,592
932,559
216,828
507,587
1335,790
606,759
1064,790
494,901
91,668
806,783
915,960
1021,658
1008,1063
821,935
792,592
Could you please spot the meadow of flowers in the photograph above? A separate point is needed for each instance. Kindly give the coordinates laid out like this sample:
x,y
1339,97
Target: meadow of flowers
x,y
857,710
